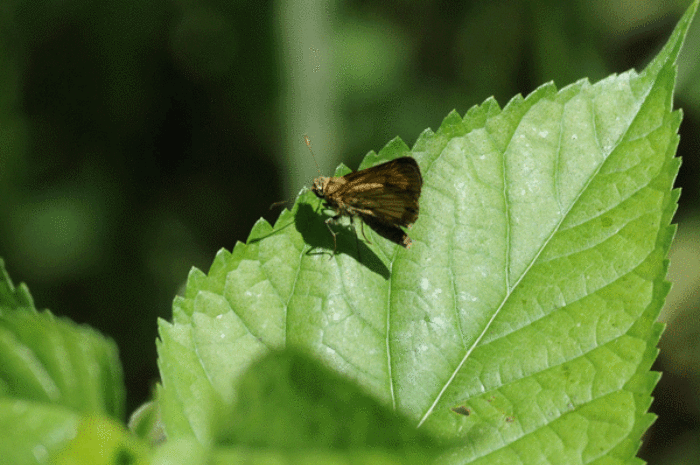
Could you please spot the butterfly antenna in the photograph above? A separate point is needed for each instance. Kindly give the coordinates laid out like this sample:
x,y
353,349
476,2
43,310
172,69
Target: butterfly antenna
x,y
307,140
278,204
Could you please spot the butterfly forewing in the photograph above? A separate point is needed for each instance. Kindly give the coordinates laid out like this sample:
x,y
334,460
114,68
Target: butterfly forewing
x,y
389,191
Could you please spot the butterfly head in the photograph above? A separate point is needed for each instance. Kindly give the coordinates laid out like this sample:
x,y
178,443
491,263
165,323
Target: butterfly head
x,y
319,186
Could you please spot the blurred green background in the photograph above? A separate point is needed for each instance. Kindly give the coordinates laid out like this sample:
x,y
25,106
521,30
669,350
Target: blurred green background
x,y
139,137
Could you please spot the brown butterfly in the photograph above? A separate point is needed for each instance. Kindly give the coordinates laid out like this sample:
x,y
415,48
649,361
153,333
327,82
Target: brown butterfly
x,y
385,197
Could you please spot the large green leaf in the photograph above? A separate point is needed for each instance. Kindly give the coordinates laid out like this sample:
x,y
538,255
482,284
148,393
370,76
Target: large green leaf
x,y
529,297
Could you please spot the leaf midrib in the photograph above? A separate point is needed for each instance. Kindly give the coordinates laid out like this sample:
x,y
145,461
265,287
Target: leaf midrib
x,y
555,229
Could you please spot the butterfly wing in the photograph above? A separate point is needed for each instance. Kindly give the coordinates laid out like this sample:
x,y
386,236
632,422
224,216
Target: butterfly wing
x,y
387,193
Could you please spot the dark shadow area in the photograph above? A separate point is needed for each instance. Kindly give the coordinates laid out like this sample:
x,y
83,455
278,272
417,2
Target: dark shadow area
x,y
312,227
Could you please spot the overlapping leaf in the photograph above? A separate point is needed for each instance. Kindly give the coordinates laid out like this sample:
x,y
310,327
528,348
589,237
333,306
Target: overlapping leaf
x,y
51,372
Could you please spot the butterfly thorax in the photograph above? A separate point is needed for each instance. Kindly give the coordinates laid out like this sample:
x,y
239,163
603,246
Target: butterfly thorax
x,y
327,188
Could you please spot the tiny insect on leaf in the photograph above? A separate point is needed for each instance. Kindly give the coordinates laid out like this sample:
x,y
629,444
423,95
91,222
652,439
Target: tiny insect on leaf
x,y
462,410
385,197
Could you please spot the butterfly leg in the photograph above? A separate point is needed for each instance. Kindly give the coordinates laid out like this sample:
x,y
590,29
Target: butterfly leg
x,y
357,239
362,228
333,233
